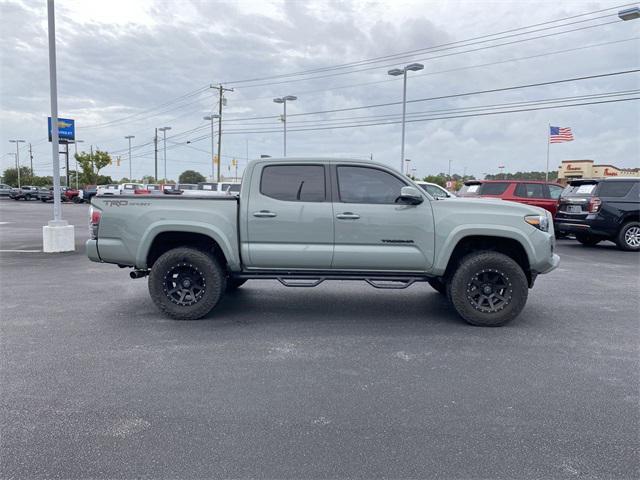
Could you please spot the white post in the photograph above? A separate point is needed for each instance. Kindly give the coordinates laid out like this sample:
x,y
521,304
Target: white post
x,y
285,127
58,235
213,162
546,173
404,113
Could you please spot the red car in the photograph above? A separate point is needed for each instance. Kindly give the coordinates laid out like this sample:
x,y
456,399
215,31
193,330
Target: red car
x,y
531,192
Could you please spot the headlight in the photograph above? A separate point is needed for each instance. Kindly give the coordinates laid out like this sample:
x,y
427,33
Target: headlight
x,y
541,222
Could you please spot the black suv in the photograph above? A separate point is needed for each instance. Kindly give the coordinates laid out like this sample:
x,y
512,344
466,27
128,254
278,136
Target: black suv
x,y
601,209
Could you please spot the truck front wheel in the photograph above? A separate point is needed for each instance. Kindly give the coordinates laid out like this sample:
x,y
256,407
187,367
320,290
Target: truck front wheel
x,y
186,283
488,289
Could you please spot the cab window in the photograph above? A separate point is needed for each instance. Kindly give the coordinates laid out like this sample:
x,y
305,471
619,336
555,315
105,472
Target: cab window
x,y
368,185
530,190
294,183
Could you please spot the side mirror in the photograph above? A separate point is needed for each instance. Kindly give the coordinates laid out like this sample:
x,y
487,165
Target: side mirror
x,y
410,196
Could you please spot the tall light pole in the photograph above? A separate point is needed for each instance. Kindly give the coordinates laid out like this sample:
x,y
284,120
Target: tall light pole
x,y
164,133
213,163
57,235
75,144
412,67
17,142
129,137
449,169
283,101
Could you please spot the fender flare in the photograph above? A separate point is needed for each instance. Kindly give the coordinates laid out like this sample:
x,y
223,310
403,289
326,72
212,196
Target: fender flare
x,y
159,227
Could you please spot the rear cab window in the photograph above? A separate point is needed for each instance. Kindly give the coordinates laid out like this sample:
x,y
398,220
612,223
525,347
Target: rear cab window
x,y
294,183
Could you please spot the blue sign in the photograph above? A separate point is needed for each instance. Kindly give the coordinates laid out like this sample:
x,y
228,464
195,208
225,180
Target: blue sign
x,y
66,130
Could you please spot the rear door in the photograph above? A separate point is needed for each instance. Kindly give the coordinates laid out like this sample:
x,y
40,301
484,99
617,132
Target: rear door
x,y
290,217
372,231
536,194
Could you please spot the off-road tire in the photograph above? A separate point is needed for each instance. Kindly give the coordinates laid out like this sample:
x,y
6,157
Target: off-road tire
x,y
627,237
203,267
233,284
438,285
467,283
587,240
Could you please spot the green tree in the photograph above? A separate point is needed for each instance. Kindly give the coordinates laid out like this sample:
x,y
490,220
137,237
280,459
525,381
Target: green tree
x,y
91,165
10,176
534,175
191,176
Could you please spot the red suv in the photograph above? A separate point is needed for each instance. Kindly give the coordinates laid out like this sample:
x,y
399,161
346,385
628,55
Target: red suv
x,y
531,192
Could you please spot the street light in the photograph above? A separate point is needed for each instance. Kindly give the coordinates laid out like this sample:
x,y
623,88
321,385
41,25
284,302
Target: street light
x,y
629,13
413,67
212,118
164,132
17,142
283,101
75,143
129,137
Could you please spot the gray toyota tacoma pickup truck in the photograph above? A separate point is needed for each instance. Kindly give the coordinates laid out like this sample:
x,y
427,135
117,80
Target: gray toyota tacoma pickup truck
x,y
304,221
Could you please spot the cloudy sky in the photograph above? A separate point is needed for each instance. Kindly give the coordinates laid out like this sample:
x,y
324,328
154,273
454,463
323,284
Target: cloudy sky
x,y
127,67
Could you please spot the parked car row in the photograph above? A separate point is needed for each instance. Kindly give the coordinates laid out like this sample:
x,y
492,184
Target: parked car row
x,y
591,209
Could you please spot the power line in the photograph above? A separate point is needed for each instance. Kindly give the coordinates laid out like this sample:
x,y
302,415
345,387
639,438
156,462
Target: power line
x,y
426,49
457,69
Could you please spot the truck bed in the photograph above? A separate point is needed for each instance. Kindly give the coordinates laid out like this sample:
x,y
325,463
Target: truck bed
x,y
129,218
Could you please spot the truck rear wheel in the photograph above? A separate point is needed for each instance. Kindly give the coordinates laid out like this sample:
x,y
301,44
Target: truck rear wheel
x,y
186,283
488,289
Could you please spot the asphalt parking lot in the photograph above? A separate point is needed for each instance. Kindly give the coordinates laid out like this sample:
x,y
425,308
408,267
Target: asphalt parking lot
x,y
339,381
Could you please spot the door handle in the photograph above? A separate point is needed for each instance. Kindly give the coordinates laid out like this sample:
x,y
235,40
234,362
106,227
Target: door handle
x,y
264,214
348,216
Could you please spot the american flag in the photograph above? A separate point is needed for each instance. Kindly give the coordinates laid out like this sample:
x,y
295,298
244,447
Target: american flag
x,y
560,134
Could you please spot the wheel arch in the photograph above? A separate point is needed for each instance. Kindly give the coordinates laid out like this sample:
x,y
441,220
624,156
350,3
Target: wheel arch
x,y
508,246
163,240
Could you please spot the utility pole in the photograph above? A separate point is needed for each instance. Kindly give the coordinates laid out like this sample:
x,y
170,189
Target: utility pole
x,y
221,91
31,162
129,137
18,142
213,160
164,132
66,158
449,169
155,153
75,143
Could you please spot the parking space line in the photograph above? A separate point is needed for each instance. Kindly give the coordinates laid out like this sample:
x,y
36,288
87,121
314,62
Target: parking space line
x,y
20,251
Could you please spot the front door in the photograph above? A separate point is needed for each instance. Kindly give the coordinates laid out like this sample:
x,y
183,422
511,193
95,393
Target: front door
x,y
372,231
289,217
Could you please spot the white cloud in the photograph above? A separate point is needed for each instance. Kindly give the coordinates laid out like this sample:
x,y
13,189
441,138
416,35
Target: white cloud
x,y
120,58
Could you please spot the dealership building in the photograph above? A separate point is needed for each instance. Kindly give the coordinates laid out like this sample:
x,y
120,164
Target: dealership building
x,y
574,169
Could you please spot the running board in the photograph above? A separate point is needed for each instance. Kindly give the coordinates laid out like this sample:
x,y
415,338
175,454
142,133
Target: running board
x,y
378,280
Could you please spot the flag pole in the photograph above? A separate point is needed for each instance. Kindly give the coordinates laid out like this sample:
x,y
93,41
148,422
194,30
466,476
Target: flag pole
x,y
546,173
